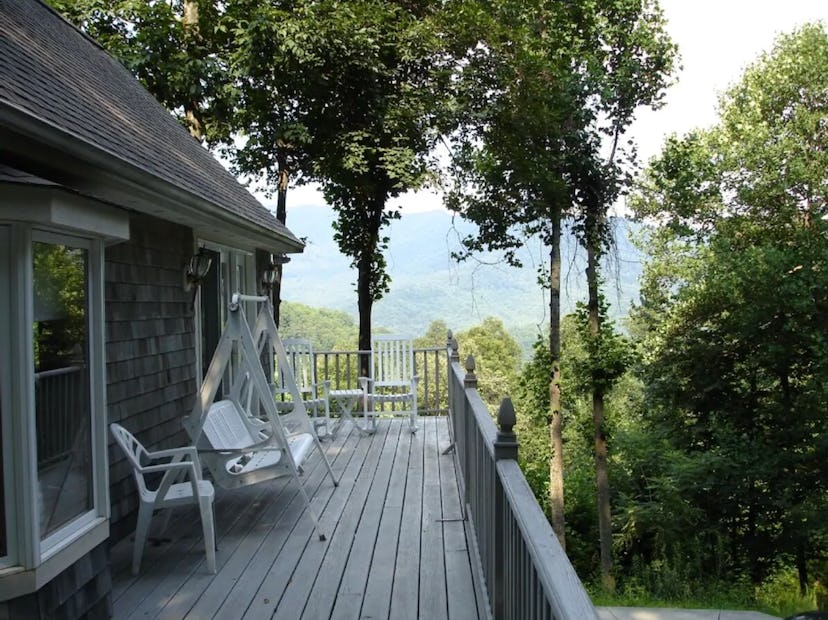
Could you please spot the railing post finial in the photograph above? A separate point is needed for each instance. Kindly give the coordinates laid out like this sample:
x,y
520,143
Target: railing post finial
x,y
506,443
454,349
470,380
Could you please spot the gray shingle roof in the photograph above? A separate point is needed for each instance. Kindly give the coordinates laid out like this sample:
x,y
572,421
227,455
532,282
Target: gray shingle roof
x,y
52,72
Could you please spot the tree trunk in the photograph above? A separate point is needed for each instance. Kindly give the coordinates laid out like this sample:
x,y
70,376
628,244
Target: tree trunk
x,y
365,292
189,22
365,303
556,486
802,568
281,215
593,239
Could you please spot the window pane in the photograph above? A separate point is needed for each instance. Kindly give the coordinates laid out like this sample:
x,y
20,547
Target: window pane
x,y
4,368
211,310
3,546
61,372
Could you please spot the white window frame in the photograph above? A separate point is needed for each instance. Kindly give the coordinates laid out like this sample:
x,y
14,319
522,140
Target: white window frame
x,y
27,215
10,558
65,534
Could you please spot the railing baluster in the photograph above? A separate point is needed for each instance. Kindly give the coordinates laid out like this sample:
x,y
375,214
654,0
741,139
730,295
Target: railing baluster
x,y
341,368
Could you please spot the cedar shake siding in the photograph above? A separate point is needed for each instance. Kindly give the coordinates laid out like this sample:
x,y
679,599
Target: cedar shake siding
x,y
84,590
150,349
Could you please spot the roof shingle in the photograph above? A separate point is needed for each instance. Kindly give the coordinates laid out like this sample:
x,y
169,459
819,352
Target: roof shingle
x,y
52,72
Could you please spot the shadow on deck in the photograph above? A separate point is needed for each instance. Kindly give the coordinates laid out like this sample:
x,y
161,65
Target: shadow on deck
x,y
396,543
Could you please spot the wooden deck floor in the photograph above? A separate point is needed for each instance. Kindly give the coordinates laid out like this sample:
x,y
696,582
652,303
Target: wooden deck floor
x,y
396,544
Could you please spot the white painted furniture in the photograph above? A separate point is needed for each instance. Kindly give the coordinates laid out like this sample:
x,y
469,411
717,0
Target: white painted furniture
x,y
392,379
246,441
315,396
347,401
245,437
169,493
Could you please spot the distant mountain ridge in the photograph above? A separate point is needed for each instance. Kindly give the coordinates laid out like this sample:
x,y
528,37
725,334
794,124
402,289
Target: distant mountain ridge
x,y
427,284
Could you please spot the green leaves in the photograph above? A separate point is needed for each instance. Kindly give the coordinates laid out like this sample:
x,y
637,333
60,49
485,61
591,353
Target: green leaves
x,y
604,357
736,300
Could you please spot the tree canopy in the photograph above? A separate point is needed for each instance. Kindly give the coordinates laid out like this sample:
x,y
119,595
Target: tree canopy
x,y
736,303
547,97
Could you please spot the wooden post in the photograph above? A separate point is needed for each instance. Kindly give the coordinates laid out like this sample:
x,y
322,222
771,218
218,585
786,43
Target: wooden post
x,y
470,380
506,443
451,357
469,383
505,447
454,352
466,430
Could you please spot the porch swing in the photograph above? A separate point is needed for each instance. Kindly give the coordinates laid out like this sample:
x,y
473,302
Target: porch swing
x,y
252,434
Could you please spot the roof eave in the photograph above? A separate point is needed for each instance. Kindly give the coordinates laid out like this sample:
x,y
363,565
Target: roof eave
x,y
59,156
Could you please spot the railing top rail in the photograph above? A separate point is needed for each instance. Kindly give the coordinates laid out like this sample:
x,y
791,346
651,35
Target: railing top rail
x,y
563,588
341,352
360,351
57,371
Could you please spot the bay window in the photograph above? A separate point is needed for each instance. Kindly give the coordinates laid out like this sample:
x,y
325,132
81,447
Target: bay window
x,y
54,504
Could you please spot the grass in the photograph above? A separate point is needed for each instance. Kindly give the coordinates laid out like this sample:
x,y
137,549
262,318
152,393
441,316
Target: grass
x,y
776,602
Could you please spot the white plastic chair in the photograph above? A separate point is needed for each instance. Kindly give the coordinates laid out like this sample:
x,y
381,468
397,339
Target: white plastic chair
x,y
392,378
169,493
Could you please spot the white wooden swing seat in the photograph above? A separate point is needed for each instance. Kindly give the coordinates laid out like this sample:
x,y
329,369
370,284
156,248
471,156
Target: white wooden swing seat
x,y
244,444
228,426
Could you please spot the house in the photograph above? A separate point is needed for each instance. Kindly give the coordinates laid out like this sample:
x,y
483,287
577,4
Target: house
x,y
104,200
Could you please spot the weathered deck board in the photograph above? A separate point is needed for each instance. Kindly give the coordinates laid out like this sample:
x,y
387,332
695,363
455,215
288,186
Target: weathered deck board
x,y
347,549
462,600
433,602
313,562
377,601
200,603
394,548
291,570
406,589
164,568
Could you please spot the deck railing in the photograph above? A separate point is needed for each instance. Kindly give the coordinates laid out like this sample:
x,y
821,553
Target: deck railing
x,y
341,368
525,570
61,401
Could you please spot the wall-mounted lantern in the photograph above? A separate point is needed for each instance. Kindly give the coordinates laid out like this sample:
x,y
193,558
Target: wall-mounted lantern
x,y
196,270
271,272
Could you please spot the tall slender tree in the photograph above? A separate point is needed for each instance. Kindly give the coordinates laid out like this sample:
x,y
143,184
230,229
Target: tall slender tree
x,y
547,85
632,59
524,110
382,74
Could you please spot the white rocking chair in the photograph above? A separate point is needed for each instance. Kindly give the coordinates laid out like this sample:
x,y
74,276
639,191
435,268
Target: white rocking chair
x,y
245,437
168,494
315,396
392,379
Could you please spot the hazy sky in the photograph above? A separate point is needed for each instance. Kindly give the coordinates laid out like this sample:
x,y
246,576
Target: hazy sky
x,y
717,39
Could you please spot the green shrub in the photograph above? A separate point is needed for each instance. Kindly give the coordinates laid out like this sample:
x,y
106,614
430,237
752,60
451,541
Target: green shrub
x,y
780,593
